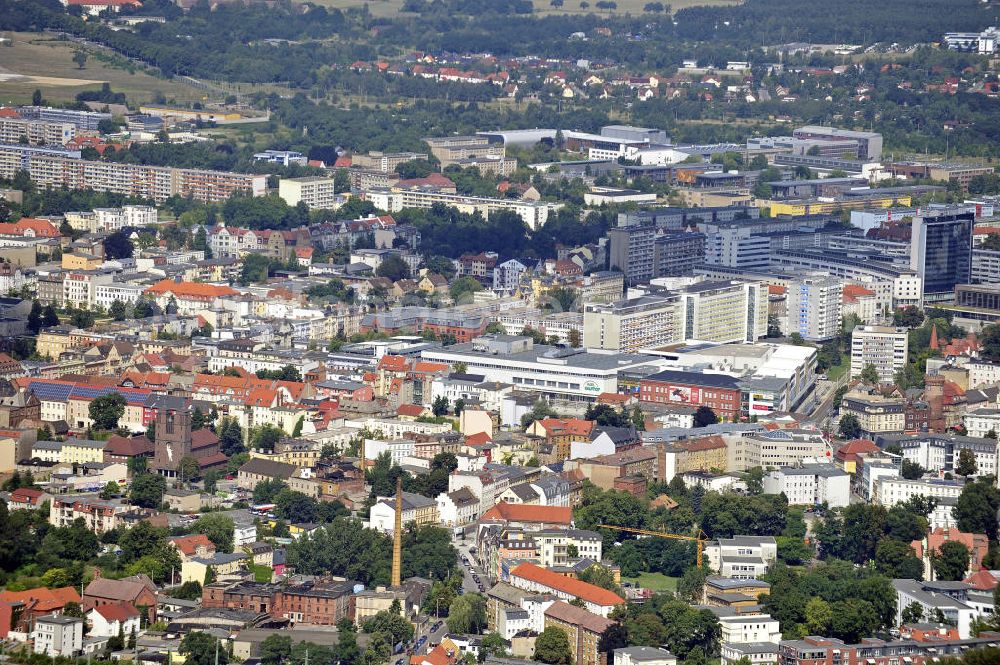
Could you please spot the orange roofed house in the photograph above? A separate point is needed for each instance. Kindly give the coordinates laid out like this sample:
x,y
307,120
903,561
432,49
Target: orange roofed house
x,y
195,545
19,609
859,301
529,516
190,297
30,228
847,455
442,654
560,433
138,590
537,579
977,544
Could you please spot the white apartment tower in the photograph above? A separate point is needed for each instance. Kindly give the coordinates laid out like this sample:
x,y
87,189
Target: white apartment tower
x,y
814,304
881,346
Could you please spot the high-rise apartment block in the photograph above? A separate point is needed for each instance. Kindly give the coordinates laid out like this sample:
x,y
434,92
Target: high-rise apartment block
x,y
814,305
883,347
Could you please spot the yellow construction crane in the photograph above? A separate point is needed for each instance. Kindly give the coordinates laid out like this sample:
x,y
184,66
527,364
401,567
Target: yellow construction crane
x,y
700,539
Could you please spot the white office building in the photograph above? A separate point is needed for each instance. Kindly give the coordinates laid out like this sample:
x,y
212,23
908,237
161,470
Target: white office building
x,y
551,372
890,491
534,213
643,656
940,452
398,450
811,485
107,294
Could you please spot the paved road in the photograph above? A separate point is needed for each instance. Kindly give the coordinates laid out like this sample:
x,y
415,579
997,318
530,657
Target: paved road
x,y
825,392
473,578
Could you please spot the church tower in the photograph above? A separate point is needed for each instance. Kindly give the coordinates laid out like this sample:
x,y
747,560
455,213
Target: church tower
x,y
173,434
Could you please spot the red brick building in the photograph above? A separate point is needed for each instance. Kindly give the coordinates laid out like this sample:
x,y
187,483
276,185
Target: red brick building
x,y
324,602
718,392
138,590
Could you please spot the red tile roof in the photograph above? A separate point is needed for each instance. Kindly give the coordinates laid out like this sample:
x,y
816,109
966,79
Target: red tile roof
x,y
412,410
515,512
39,228
436,656
262,397
710,442
984,580
574,587
852,292
190,289
567,426
428,367
200,438
852,449
118,611
577,616
393,363
43,600
128,446
976,543
478,439
188,545
612,398
26,495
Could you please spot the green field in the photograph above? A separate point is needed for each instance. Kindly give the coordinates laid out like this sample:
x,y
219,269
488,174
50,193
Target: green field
x,y
261,573
837,371
43,62
654,581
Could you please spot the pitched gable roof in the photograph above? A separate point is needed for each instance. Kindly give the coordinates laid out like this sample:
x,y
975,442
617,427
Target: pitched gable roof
x,y
188,545
514,512
577,616
574,587
190,289
128,589
118,611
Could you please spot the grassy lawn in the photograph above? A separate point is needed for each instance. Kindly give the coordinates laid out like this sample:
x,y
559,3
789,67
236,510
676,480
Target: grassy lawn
x,y
40,61
261,573
837,371
654,581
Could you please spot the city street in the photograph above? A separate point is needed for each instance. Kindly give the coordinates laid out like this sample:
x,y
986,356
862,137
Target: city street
x,y
473,577
825,392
